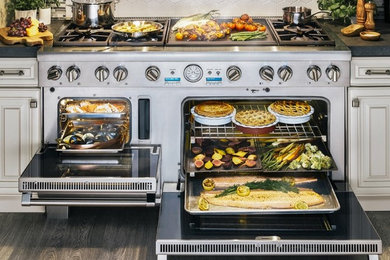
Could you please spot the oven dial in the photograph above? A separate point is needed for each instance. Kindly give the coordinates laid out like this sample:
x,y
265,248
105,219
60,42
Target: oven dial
x,y
267,73
54,73
193,73
333,73
73,73
314,73
285,73
233,73
152,73
101,73
120,73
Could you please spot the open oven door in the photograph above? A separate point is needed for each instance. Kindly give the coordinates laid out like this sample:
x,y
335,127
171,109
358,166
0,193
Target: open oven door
x,y
130,177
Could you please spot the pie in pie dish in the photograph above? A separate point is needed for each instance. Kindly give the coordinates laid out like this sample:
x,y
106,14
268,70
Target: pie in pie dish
x,y
291,107
254,117
214,109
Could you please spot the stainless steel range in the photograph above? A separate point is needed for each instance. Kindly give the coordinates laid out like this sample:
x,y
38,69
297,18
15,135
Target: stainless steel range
x,y
161,84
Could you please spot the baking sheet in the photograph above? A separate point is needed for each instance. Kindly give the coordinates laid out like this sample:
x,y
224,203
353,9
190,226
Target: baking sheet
x,y
193,188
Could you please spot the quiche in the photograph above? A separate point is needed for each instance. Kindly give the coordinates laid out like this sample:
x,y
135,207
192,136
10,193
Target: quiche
x,y
254,117
214,109
290,107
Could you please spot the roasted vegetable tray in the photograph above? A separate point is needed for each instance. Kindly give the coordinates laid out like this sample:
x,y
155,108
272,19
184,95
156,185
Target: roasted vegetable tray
x,y
320,185
305,145
225,41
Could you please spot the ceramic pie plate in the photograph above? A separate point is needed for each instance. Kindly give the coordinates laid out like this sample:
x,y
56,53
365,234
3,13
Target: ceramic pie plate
x,y
214,121
256,130
292,119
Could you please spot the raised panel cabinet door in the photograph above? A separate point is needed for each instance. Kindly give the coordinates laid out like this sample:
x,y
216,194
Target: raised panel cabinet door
x,y
19,134
369,140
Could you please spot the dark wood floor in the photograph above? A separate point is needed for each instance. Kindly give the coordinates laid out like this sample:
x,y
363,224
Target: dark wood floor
x,y
107,233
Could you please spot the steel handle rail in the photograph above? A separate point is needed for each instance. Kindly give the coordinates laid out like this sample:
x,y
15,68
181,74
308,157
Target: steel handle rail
x,y
378,72
12,72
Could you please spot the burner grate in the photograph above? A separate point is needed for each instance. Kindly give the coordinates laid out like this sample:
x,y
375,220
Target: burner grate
x,y
307,34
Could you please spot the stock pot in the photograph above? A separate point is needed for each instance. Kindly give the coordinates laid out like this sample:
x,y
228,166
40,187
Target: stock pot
x,y
298,15
92,13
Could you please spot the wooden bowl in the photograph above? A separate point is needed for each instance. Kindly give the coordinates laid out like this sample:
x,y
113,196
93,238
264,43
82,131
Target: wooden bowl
x,y
370,36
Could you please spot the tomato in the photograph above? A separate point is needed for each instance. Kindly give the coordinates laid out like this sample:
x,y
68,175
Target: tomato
x,y
193,37
301,205
236,20
232,26
243,190
262,28
203,204
179,36
224,25
244,17
208,184
240,26
250,27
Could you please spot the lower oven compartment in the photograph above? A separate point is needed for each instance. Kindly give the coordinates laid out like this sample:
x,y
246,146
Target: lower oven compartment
x,y
127,178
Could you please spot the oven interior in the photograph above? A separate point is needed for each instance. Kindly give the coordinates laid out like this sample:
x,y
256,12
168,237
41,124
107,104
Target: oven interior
x,y
201,136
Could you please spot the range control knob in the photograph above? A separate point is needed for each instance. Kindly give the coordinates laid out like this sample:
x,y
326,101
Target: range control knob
x,y
152,73
73,73
54,73
233,73
267,73
333,73
120,73
102,73
285,73
314,73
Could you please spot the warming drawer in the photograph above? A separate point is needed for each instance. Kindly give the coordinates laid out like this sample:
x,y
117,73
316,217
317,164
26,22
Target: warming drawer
x,y
127,178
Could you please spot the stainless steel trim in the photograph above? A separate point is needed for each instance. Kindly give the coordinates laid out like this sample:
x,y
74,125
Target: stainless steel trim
x,y
267,247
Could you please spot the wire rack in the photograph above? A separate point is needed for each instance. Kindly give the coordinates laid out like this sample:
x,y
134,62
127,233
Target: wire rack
x,y
305,130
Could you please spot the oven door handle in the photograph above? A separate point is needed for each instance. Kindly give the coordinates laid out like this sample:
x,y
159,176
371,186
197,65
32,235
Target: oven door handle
x,y
27,200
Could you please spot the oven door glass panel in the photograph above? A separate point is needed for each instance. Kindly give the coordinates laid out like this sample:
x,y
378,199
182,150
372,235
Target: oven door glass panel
x,y
53,171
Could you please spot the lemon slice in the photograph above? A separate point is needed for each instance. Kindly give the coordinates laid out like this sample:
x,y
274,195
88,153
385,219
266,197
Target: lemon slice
x,y
301,205
243,190
203,204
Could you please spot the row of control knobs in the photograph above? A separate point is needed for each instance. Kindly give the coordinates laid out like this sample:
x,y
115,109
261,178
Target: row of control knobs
x,y
193,73
73,73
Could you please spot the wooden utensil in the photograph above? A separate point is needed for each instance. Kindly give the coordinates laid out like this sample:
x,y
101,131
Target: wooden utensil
x,y
370,23
28,40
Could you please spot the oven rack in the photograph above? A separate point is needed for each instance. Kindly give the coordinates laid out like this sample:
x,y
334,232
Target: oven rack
x,y
305,130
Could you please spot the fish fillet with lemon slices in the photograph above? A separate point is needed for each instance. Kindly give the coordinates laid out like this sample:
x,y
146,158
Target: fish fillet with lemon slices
x,y
265,199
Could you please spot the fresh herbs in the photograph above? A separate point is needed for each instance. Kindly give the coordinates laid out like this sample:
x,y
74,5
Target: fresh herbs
x,y
245,36
268,184
341,10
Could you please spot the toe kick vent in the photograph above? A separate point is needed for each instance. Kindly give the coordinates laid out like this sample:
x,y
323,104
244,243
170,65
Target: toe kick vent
x,y
279,248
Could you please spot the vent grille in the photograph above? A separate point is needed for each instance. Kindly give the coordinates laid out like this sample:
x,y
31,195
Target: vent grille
x,y
270,248
140,186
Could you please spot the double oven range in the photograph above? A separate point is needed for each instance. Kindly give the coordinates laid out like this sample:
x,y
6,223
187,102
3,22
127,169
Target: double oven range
x,y
153,87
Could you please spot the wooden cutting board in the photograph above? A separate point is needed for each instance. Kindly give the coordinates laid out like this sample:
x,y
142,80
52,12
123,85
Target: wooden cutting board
x,y
28,40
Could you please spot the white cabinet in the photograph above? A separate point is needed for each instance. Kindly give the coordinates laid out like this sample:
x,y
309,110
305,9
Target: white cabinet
x,y
369,145
20,136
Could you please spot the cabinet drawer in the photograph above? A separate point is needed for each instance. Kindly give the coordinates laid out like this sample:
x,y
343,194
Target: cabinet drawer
x,y
370,71
18,72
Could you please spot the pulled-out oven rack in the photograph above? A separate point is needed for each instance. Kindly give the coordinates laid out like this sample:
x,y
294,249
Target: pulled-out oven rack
x,y
306,130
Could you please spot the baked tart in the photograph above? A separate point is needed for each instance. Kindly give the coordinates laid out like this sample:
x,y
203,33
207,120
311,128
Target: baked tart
x,y
255,118
291,107
214,109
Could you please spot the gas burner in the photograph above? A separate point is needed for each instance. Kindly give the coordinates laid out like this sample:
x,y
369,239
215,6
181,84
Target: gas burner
x,y
306,34
104,36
